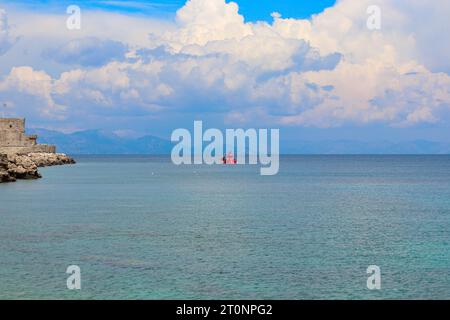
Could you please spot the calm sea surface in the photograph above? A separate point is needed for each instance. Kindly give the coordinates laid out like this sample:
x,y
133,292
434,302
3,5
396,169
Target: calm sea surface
x,y
142,228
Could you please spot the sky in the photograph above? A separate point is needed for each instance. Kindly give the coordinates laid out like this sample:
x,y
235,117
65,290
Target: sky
x,y
315,69
252,10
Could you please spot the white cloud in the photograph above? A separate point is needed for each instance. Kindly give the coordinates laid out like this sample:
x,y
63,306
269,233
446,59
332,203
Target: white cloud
x,y
323,72
25,87
203,21
6,40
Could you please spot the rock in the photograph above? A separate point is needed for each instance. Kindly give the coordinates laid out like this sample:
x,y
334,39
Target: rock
x,y
50,159
15,166
22,167
5,176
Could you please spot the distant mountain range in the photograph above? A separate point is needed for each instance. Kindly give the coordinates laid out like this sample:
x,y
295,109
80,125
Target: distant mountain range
x,y
99,142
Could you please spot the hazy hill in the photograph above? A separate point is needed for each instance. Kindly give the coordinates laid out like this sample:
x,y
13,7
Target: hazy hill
x,y
98,142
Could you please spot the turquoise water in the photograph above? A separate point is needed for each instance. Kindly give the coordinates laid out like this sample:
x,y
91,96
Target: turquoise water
x,y
142,228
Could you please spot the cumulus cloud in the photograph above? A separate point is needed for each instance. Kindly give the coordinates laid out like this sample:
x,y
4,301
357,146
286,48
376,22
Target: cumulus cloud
x,y
25,87
89,52
325,71
384,74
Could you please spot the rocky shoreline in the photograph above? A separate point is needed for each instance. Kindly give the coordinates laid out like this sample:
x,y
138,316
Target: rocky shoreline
x,y
25,166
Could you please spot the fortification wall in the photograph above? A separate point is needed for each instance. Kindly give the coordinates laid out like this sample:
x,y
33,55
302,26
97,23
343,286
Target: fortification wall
x,y
13,139
39,148
16,139
12,124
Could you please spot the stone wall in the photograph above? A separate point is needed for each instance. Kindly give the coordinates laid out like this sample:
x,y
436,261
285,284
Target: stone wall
x,y
13,139
12,124
39,148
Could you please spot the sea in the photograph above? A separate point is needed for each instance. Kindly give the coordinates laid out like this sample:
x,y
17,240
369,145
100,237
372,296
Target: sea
x,y
140,227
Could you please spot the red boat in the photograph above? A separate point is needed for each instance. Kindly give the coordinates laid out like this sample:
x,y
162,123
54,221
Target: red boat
x,y
229,159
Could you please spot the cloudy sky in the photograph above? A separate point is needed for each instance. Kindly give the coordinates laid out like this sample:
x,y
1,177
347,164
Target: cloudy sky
x,y
312,68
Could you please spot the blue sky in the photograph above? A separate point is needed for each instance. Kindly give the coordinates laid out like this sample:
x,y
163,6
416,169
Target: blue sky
x,y
148,67
249,8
